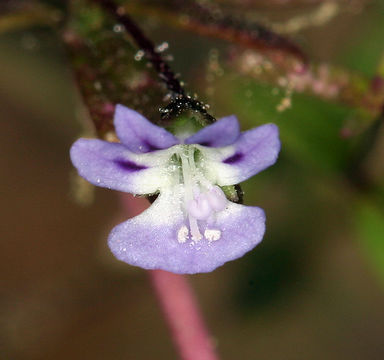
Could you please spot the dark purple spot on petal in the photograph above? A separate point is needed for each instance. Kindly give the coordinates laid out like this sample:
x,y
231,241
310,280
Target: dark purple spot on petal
x,y
129,165
234,158
205,143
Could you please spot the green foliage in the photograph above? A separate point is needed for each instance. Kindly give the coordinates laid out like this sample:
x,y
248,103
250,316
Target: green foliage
x,y
365,46
370,232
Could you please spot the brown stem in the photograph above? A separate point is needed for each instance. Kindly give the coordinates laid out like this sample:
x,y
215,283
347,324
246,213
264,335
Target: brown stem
x,y
208,20
253,34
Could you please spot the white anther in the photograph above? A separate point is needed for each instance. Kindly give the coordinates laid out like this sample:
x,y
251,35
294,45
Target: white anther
x,y
216,198
212,235
182,234
199,208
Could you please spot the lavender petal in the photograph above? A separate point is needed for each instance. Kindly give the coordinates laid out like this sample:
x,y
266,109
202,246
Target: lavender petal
x,y
112,166
221,133
150,240
138,134
254,151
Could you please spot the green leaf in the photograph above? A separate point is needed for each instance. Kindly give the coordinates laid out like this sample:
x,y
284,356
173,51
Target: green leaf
x,y
364,48
370,234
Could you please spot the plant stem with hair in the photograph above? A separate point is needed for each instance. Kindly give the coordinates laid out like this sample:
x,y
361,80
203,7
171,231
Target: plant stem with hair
x,y
180,100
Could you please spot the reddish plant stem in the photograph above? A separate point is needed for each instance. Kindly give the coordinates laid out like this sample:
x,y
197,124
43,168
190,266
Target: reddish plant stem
x,y
178,304
183,317
211,21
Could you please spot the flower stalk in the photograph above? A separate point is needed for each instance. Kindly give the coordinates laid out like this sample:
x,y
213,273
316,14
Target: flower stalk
x,y
180,309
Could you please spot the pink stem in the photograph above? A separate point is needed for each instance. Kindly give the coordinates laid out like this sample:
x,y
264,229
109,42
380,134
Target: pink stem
x,y
178,304
182,314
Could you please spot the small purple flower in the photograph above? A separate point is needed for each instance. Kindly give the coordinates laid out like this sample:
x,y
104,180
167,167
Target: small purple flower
x,y
191,227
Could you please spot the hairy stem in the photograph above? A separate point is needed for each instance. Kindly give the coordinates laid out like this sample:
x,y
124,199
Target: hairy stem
x,y
180,101
146,45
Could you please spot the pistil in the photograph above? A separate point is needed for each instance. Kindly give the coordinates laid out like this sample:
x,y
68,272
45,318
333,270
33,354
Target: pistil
x,y
189,183
201,198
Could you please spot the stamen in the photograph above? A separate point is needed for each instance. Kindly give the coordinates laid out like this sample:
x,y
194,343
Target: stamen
x,y
187,177
212,235
182,234
191,158
195,232
188,186
198,205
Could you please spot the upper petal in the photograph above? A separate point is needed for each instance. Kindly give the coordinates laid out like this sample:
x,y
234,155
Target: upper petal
x,y
223,132
254,151
150,240
112,166
138,134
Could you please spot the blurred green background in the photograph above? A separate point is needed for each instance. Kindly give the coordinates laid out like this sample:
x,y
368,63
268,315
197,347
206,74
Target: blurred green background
x,y
313,289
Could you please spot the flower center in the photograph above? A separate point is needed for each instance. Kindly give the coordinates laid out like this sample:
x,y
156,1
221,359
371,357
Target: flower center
x,y
202,199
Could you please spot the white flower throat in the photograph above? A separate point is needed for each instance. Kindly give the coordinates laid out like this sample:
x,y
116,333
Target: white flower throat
x,y
202,199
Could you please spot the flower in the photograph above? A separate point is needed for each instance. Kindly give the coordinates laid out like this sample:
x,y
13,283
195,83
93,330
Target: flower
x,y
191,227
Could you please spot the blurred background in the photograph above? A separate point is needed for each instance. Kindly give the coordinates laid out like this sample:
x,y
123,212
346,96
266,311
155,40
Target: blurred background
x,y
313,289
